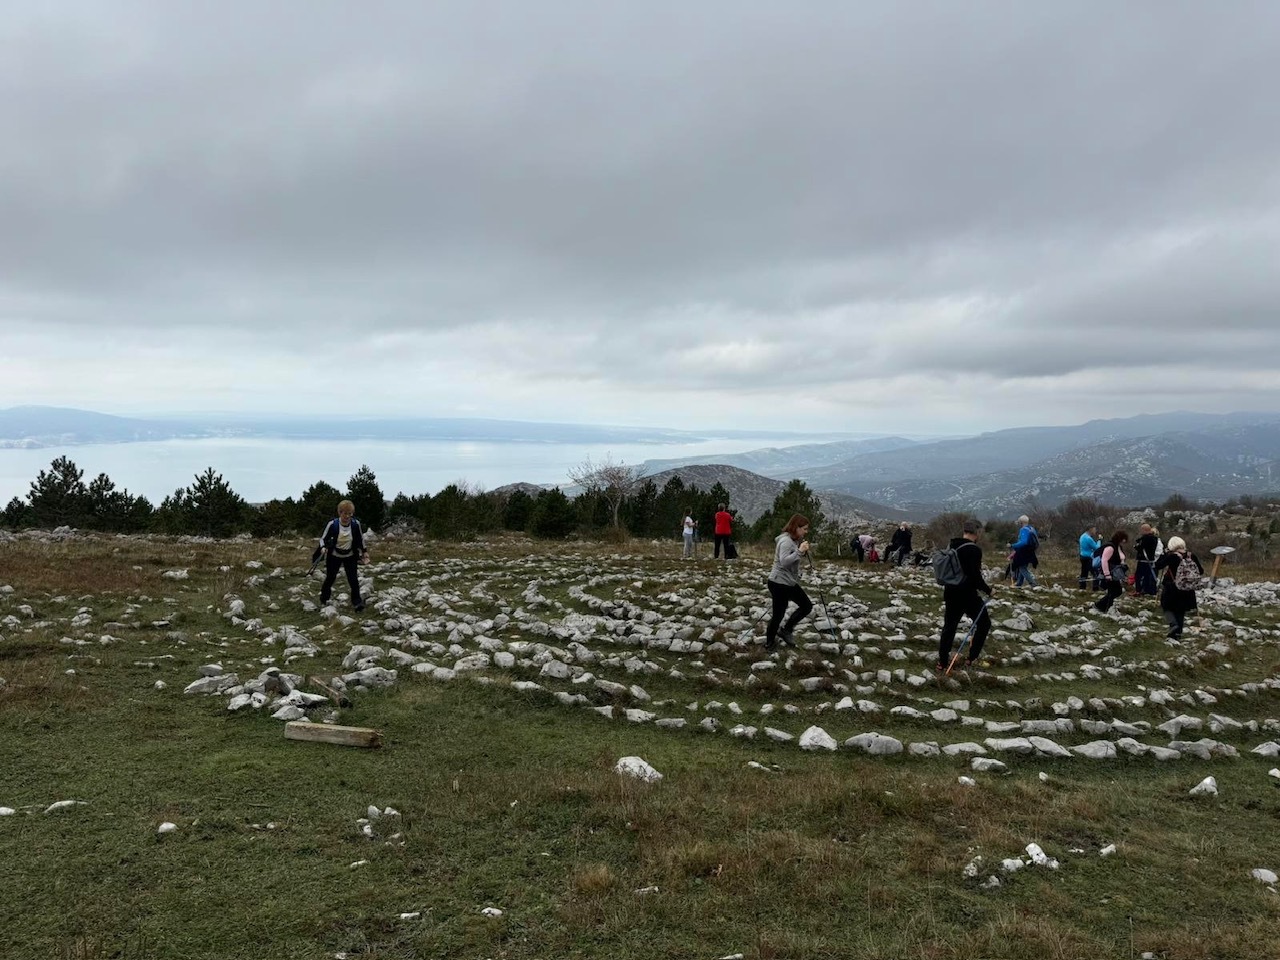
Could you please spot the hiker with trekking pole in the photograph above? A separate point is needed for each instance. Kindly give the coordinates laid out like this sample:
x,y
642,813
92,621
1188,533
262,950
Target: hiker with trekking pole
x,y
959,570
784,582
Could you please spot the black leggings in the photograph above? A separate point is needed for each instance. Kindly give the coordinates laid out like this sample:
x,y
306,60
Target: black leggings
x,y
783,594
348,564
1114,589
957,606
722,539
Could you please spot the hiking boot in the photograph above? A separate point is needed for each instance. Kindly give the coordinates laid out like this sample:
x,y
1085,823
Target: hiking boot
x,y
785,635
359,608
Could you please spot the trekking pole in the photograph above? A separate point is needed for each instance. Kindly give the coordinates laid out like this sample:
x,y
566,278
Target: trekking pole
x,y
315,561
822,597
955,657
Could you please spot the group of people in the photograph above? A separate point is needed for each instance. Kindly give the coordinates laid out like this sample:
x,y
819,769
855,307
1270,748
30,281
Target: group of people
x,y
1165,563
723,533
1105,565
899,549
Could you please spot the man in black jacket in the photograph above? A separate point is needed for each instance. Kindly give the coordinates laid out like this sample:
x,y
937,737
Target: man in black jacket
x,y
963,600
1145,547
900,545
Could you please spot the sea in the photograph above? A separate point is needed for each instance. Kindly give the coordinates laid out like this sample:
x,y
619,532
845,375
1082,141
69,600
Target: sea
x,y
265,469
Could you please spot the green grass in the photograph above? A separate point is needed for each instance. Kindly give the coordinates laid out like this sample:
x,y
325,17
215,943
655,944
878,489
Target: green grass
x,y
510,800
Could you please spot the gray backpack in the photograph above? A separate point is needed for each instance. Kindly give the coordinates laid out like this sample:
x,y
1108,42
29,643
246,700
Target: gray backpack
x,y
946,567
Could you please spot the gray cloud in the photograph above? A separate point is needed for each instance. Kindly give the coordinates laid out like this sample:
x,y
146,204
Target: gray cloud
x,y
713,207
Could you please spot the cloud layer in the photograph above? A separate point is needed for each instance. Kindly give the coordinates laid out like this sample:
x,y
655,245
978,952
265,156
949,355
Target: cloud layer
x,y
853,216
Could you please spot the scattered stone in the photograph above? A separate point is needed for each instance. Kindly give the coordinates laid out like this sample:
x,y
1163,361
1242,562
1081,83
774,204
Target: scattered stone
x,y
1208,787
637,768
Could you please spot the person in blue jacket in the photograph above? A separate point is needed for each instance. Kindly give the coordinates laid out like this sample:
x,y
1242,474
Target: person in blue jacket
x,y
1089,544
1024,553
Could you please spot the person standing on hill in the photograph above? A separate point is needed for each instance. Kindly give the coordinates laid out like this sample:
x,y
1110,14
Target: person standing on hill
x,y
1089,544
962,599
1115,572
1177,601
784,582
863,544
343,544
1145,549
690,528
1024,553
899,545
724,530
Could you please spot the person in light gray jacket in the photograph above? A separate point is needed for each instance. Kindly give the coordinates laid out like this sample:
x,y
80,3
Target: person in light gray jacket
x,y
784,582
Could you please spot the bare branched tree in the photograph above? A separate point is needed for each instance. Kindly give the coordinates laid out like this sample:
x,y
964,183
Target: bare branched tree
x,y
613,481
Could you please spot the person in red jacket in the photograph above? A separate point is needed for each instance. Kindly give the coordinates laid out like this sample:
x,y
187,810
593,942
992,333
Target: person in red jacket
x,y
724,530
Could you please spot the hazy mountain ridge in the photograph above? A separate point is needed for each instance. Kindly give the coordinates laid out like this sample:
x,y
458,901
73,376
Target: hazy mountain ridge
x,y
751,494
1213,464
782,462
36,427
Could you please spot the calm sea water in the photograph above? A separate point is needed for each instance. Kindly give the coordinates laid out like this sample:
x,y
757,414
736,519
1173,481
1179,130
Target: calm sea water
x,y
261,470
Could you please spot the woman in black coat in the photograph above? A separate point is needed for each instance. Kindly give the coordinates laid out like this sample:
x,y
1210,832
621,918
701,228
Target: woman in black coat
x,y
1175,603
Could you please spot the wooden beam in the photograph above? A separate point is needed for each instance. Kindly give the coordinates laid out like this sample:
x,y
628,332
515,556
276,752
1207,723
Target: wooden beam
x,y
332,733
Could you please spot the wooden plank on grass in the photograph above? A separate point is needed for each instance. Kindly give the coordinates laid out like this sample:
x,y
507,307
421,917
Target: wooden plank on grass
x,y
332,733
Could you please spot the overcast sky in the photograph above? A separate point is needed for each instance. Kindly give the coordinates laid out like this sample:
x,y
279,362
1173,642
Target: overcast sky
x,y
890,216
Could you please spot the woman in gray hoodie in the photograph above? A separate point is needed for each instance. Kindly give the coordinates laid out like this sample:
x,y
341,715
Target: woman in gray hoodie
x,y
784,582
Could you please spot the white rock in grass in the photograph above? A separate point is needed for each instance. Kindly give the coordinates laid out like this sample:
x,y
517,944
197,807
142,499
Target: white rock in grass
x,y
491,912
1206,787
64,805
988,765
966,781
815,738
175,575
781,736
1108,850
1040,858
1096,750
159,685
1268,749
7,811
289,713
972,867
1264,876
1274,773
637,768
1012,865
167,827
411,916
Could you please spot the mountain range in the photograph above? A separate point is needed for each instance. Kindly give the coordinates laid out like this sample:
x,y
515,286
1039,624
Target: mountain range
x,y
1134,461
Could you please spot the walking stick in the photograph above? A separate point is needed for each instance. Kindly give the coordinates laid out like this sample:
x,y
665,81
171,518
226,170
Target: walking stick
x,y
822,597
955,657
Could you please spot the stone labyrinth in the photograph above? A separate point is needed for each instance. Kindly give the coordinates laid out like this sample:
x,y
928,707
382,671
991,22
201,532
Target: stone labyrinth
x,y
635,639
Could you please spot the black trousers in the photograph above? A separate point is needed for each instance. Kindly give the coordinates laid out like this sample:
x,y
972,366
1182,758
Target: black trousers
x,y
348,564
783,594
1089,575
856,544
722,539
1114,589
959,604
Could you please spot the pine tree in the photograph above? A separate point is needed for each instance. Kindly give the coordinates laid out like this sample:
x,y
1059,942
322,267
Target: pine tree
x,y
317,506
58,496
796,497
364,492
216,510
552,515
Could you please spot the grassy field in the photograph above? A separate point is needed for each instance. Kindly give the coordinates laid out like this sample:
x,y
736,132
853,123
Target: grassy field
x,y
509,799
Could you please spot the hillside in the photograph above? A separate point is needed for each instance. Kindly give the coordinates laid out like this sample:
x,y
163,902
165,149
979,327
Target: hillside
x,y
751,494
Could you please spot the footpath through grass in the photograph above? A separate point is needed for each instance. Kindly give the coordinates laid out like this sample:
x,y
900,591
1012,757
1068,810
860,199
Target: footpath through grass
x,y
510,801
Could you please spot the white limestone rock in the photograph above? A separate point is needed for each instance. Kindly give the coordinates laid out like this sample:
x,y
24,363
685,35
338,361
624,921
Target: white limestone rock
x,y
815,738
1263,875
637,768
1096,750
1208,787
988,765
